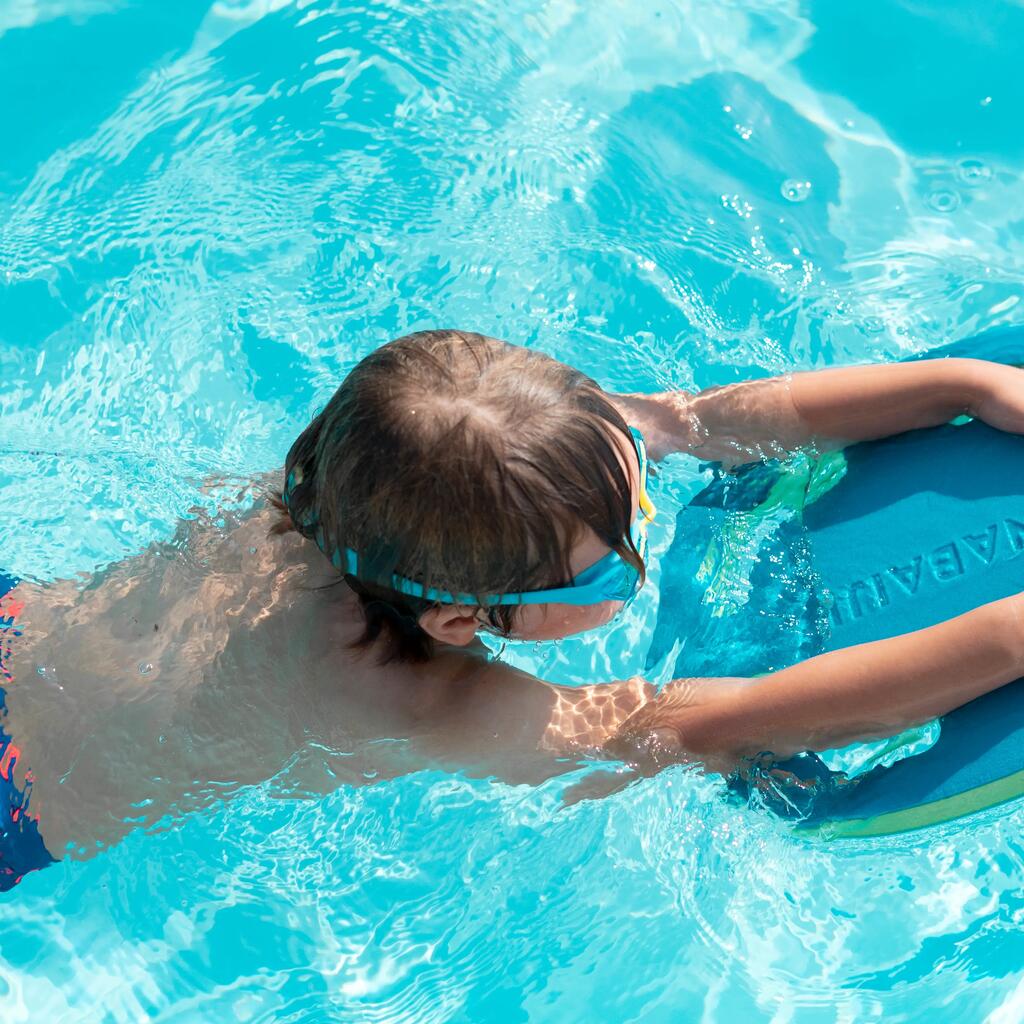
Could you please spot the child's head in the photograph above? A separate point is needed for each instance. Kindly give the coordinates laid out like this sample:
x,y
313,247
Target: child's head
x,y
472,467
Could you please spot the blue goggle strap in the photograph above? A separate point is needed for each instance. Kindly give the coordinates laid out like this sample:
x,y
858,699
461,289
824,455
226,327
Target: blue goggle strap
x,y
592,586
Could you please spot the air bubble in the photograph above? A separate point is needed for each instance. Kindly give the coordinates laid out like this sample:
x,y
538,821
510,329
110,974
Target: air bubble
x,y
874,325
973,172
944,200
795,191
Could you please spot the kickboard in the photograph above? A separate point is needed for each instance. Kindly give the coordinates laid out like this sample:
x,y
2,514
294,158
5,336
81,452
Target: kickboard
x,y
922,527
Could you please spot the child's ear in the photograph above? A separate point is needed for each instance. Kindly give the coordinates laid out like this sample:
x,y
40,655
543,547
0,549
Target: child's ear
x,y
450,624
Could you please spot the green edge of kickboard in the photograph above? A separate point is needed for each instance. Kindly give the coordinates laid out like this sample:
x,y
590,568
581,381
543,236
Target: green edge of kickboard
x,y
909,819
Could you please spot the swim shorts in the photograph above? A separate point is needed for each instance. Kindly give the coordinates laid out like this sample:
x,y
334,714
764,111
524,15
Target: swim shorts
x,y
21,843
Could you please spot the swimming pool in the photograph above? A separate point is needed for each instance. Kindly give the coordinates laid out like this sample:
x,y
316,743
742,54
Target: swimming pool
x,y
210,210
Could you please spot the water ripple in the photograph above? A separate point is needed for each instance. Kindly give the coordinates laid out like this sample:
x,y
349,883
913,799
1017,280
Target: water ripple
x,y
236,201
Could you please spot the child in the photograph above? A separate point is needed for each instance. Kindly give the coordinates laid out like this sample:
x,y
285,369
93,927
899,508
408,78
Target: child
x,y
454,484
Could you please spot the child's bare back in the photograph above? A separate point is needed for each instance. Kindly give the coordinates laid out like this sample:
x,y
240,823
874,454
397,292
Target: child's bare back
x,y
224,660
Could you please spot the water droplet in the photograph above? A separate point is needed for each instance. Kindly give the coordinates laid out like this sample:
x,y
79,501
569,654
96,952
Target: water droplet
x,y
795,191
120,291
944,200
145,668
973,172
738,206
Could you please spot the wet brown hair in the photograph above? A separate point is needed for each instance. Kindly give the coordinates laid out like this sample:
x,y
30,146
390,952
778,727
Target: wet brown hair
x,y
464,463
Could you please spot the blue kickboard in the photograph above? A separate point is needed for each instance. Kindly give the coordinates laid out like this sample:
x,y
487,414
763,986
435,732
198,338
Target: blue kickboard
x,y
923,526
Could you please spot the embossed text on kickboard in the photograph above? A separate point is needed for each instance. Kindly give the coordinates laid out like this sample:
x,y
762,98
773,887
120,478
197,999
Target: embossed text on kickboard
x,y
966,554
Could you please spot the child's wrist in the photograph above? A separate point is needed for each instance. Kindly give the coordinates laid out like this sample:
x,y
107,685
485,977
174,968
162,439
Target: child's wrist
x,y
977,381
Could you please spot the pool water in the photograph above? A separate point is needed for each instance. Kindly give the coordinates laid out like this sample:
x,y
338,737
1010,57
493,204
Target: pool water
x,y
211,209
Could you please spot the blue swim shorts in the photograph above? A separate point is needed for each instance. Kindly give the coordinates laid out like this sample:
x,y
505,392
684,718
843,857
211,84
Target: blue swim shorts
x,y
21,843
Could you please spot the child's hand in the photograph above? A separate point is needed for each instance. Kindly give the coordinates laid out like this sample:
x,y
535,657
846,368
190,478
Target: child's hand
x,y
1001,397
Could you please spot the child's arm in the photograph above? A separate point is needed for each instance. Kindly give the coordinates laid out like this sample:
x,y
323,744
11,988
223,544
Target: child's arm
x,y
510,724
826,408
859,693
497,720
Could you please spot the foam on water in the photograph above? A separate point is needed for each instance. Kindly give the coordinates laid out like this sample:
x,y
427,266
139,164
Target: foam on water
x,y
209,210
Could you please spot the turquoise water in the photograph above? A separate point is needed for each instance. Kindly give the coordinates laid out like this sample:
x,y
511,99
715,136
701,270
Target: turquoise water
x,y
210,210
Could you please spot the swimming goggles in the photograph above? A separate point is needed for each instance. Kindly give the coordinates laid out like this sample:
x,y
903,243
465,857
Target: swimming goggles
x,y
609,579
